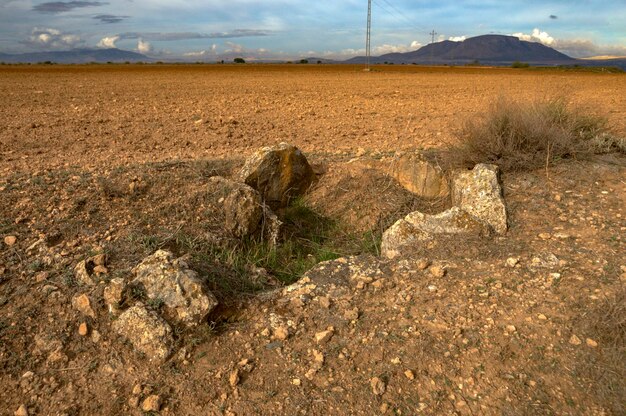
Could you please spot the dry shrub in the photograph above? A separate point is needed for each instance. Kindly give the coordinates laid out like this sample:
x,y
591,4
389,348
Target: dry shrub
x,y
523,136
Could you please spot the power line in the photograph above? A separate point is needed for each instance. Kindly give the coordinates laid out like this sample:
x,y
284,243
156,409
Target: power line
x,y
397,14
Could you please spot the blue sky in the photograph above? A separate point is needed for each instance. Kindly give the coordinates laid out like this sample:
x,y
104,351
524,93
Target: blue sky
x,y
289,29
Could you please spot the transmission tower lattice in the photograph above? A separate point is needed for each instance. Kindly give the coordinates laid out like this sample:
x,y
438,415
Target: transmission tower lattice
x,y
368,35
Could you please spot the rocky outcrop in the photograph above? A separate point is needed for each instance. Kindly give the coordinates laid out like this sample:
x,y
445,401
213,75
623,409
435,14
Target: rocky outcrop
x,y
185,298
279,173
479,193
418,226
241,205
419,176
147,331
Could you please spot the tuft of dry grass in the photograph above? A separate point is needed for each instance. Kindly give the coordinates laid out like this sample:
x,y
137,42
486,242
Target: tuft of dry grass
x,y
524,136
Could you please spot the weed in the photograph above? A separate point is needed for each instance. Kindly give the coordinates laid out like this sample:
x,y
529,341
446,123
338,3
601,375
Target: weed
x,y
520,136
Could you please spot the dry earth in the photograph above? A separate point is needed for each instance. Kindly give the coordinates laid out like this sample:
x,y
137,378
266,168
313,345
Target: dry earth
x,y
115,159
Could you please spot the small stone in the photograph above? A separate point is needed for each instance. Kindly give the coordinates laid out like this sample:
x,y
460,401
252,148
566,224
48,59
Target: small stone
x,y
542,317
10,240
512,262
95,336
558,197
574,340
591,343
511,328
296,382
137,389
545,236
378,386
234,378
384,407
351,314
83,329
437,271
151,403
318,356
21,411
114,293
82,304
324,336
281,332
422,264
409,374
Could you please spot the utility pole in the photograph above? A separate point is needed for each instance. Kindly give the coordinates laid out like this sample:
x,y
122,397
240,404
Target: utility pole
x,y
432,48
368,36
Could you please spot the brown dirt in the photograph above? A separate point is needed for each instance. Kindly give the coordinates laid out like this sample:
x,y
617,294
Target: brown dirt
x,y
116,159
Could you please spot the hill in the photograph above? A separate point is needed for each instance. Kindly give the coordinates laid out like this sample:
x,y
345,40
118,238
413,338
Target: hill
x,y
488,49
76,56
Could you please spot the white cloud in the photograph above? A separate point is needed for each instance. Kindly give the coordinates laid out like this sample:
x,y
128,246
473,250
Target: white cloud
x,y
198,54
234,47
144,46
457,38
47,38
536,36
108,42
576,48
415,45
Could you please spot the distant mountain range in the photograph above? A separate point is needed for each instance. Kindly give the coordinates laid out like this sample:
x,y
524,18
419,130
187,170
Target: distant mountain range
x,y
487,50
76,56
495,50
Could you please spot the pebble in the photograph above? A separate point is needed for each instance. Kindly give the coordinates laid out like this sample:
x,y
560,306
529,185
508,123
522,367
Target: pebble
x,y
512,261
351,314
281,333
422,264
591,343
541,317
82,304
409,374
137,389
21,411
10,240
83,329
234,378
324,336
296,382
545,236
152,403
378,386
511,328
574,340
437,271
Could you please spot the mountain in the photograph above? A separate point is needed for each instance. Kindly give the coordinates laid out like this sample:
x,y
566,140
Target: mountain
x,y
487,49
76,56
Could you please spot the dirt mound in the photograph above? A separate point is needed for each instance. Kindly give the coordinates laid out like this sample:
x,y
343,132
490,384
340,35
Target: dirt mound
x,y
363,197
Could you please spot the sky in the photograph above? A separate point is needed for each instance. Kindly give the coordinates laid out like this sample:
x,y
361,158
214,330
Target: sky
x,y
291,29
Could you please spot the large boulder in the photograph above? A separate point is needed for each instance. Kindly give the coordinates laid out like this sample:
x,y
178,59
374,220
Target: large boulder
x,y
147,331
241,206
417,227
478,192
279,173
185,298
419,176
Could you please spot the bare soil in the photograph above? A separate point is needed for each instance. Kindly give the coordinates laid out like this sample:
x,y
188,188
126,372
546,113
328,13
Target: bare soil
x,y
116,159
